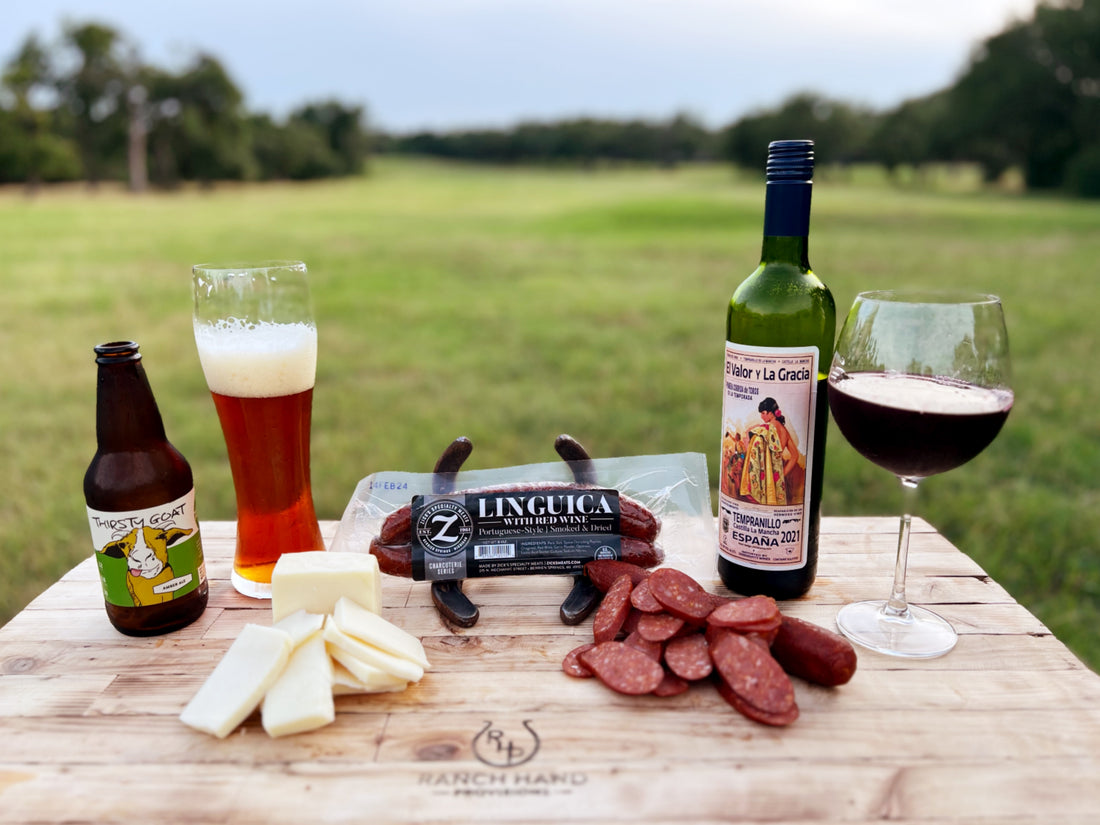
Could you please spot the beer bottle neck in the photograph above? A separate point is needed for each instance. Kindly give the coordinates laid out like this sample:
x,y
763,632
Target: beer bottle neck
x,y
127,416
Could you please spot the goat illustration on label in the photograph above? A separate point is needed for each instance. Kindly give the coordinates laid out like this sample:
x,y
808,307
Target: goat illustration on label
x,y
149,556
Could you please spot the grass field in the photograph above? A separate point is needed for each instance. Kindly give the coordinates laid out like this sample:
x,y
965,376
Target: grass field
x,y
512,305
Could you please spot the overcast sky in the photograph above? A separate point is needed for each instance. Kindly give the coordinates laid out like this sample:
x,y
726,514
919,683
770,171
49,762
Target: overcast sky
x,y
468,63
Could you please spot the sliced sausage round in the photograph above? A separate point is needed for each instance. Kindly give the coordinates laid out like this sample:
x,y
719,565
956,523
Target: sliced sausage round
x,y
623,668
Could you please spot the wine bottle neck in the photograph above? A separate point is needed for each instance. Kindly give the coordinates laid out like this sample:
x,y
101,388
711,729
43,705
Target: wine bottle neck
x,y
787,222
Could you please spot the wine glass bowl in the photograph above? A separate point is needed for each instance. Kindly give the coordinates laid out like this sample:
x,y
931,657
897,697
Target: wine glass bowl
x,y
919,385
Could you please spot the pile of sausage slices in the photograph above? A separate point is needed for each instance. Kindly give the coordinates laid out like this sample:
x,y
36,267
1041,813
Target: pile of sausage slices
x,y
658,631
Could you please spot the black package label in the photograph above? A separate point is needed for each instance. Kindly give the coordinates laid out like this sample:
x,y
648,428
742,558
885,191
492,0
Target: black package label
x,y
520,532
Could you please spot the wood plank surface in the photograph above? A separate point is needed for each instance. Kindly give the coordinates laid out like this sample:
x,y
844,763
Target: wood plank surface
x,y
1004,729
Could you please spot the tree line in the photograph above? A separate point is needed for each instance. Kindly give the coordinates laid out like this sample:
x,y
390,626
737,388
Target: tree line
x,y
1027,99
88,108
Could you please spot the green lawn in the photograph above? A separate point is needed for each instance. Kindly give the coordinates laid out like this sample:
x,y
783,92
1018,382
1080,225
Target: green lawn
x,y
512,305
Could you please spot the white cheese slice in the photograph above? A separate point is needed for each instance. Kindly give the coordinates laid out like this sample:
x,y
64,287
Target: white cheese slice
x,y
371,655
361,624
343,682
349,675
301,625
316,579
301,698
239,681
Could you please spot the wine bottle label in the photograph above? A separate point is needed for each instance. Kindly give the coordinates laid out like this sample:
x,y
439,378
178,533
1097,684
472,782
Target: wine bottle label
x,y
148,556
768,412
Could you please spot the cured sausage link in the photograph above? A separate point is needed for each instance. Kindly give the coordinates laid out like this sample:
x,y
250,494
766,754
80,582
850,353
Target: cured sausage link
x,y
396,559
635,519
814,653
603,572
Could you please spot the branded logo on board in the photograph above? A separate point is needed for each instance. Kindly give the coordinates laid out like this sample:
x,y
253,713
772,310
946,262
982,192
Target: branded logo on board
x,y
502,748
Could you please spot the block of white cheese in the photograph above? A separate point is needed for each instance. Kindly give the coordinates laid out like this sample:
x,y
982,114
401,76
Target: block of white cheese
x,y
239,681
301,698
316,579
349,675
369,654
361,624
301,625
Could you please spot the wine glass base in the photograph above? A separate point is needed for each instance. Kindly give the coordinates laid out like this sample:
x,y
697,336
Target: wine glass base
x,y
247,587
920,635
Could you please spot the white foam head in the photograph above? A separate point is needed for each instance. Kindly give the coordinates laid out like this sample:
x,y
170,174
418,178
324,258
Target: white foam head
x,y
260,360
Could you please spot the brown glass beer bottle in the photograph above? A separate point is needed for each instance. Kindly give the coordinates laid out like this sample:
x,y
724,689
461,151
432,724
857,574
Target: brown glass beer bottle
x,y
141,505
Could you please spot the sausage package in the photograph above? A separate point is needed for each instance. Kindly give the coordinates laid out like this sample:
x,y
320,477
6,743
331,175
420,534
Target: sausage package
x,y
534,518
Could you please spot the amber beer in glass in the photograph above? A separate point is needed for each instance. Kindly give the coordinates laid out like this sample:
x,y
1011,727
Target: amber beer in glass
x,y
257,344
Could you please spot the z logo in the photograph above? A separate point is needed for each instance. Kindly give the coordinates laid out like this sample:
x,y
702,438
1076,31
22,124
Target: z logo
x,y
443,536
443,527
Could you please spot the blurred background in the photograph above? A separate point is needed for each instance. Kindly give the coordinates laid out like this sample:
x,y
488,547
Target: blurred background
x,y
114,90
526,218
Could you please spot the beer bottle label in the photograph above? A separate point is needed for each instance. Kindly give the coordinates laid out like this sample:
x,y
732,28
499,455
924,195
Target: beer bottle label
x,y
149,556
768,419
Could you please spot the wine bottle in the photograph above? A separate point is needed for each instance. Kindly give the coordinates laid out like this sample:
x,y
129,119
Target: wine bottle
x,y
780,330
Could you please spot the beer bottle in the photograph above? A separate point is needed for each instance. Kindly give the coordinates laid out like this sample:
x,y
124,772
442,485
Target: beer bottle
x,y
141,505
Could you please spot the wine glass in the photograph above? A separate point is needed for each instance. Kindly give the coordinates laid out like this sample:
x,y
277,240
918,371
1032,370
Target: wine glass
x,y
918,385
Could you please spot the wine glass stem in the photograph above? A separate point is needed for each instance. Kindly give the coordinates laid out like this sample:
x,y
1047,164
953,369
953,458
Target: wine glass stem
x,y
896,606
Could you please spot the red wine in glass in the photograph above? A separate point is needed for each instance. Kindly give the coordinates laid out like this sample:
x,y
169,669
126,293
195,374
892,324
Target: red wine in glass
x,y
919,386
914,425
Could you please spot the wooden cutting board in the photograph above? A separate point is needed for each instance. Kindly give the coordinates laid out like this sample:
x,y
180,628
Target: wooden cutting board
x,y
1004,728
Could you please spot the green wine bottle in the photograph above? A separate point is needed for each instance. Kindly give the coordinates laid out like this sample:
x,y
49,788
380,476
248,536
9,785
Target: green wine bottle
x,y
780,330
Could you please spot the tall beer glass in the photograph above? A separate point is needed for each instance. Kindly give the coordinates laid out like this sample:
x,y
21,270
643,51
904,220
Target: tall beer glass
x,y
257,344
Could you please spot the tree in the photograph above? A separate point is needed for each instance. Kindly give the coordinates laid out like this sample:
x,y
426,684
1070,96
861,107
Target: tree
x,y
1030,95
907,135
840,131
94,93
583,141
197,124
29,151
343,132
109,115
296,150
28,71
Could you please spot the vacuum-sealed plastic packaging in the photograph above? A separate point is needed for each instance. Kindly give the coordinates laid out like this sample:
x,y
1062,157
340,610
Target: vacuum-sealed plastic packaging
x,y
547,519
